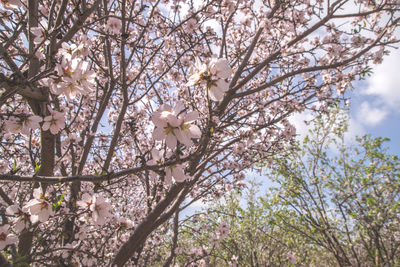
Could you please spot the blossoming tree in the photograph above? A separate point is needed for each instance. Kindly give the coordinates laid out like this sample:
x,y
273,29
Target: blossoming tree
x,y
115,115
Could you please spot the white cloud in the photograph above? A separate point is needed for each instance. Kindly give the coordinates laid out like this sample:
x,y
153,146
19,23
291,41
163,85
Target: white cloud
x,y
298,120
385,81
354,129
370,116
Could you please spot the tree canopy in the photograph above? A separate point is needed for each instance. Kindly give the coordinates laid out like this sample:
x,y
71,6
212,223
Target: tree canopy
x,y
113,113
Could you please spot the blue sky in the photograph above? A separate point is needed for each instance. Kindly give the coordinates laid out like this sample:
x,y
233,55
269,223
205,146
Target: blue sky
x,y
375,107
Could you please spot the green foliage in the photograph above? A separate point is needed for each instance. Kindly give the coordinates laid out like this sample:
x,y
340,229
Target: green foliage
x,y
346,200
60,199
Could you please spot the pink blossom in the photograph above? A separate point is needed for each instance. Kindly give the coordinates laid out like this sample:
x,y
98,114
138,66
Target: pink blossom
x,y
39,33
157,157
31,122
292,258
5,237
219,67
220,71
187,130
98,207
85,77
73,138
223,230
114,25
125,223
202,263
191,25
217,89
39,207
67,51
13,125
166,121
23,124
21,218
198,72
55,122
214,241
70,52
76,79
214,75
173,126
175,171
70,88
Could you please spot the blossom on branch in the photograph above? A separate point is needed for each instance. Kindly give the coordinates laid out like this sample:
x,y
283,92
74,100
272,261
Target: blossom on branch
x,y
114,25
39,207
98,206
39,32
214,75
175,171
23,124
54,122
5,237
21,218
173,125
74,77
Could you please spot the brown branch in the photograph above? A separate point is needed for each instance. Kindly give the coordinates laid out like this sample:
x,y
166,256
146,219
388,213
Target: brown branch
x,y
145,228
174,240
74,178
4,196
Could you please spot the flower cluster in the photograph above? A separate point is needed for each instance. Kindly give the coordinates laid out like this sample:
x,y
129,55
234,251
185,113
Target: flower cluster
x,y
223,230
99,208
172,125
74,75
175,171
39,33
221,233
114,25
39,207
214,75
23,124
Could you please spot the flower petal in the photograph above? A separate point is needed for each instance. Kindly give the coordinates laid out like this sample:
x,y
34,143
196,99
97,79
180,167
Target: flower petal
x,y
215,94
191,116
159,133
178,174
171,141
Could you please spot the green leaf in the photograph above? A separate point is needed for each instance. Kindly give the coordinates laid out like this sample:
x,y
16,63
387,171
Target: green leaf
x,y
60,199
15,165
371,201
37,168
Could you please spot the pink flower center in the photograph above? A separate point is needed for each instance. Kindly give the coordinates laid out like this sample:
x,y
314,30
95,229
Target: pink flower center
x,y
169,130
185,126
